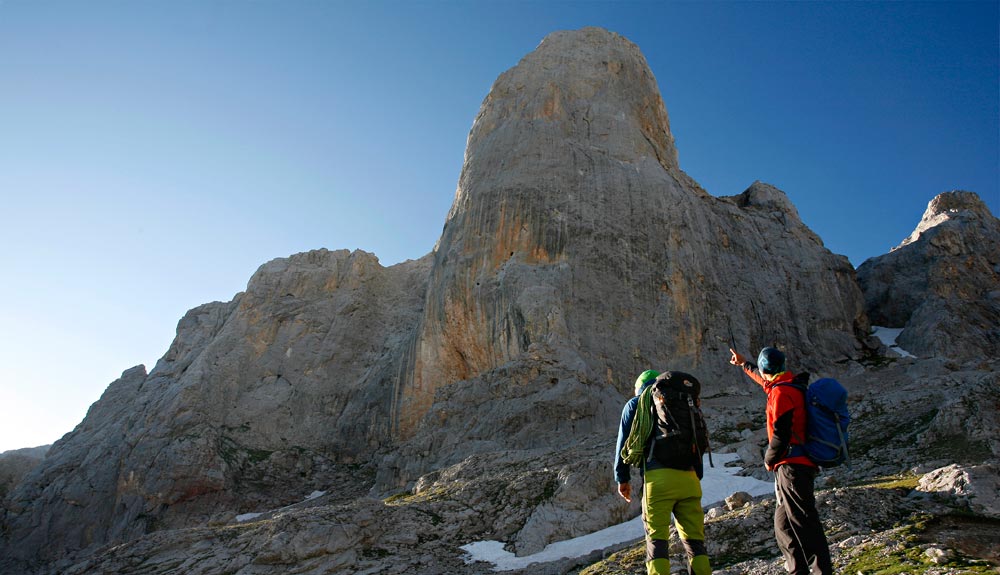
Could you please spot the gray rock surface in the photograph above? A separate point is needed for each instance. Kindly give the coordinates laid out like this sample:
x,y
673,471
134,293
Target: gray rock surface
x,y
577,254
258,401
977,486
942,283
880,507
16,463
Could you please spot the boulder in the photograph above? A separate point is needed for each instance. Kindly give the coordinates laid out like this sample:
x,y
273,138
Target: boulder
x,y
977,486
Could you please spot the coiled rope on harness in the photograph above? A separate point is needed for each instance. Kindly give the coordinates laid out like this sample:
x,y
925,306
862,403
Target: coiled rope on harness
x,y
633,452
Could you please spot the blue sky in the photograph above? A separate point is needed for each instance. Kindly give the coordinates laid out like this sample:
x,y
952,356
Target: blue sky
x,y
154,154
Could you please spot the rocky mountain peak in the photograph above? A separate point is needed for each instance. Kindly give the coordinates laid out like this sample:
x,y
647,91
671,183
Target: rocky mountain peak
x,y
769,198
590,90
941,283
577,251
956,206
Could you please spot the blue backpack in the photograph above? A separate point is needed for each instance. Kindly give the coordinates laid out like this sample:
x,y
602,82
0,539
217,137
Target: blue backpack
x,y
827,419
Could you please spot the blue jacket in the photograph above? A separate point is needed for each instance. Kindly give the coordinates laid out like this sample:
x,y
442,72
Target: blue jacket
x,y
623,474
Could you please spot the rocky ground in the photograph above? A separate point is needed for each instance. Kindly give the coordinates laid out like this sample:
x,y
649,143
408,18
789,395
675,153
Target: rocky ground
x,y
920,497
885,526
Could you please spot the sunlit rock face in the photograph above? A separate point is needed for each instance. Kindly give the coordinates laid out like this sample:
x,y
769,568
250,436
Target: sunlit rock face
x,y
257,401
573,227
578,254
942,283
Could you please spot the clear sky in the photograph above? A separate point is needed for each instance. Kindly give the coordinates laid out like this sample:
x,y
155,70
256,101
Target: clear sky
x,y
153,154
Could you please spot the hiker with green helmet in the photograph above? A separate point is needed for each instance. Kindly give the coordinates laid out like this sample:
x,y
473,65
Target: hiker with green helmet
x,y
797,527
666,491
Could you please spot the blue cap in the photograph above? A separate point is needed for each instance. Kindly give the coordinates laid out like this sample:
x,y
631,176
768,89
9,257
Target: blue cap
x,y
771,361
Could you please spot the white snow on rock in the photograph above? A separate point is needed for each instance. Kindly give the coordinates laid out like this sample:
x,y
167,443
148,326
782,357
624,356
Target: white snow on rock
x,y
888,336
719,482
249,516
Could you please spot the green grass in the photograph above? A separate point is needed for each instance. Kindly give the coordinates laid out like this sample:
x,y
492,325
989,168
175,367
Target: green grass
x,y
913,531
878,560
907,481
625,562
407,498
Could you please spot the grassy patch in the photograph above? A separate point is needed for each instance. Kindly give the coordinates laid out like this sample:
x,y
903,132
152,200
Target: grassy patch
x,y
257,455
906,481
881,560
625,562
408,498
915,533
236,455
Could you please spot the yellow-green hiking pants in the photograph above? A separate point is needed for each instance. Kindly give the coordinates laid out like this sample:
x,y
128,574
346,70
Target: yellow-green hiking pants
x,y
673,492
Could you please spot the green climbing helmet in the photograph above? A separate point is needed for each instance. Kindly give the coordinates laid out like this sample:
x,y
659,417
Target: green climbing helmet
x,y
644,378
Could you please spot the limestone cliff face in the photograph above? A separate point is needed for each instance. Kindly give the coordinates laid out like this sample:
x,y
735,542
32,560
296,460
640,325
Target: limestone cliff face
x,y
942,283
574,229
256,400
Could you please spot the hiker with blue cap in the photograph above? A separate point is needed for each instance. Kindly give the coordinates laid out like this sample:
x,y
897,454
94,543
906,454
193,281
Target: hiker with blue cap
x,y
797,526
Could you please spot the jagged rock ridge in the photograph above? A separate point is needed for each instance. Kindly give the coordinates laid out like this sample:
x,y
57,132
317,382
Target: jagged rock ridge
x,y
257,399
942,283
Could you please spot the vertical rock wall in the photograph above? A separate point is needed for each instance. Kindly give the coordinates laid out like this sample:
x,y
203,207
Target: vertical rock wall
x,y
574,227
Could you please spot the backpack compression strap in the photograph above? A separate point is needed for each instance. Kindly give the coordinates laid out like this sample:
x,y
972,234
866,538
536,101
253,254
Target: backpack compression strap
x,y
694,432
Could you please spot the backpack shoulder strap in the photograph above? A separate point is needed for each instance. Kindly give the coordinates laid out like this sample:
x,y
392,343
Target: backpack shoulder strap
x,y
799,386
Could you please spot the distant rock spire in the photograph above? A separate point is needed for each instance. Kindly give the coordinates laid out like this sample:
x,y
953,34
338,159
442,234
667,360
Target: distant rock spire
x,y
579,95
942,283
949,206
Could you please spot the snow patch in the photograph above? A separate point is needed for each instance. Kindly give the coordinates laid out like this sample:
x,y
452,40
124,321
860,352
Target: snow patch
x,y
249,516
719,482
888,335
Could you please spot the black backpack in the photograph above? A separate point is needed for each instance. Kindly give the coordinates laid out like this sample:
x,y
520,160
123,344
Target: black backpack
x,y
680,436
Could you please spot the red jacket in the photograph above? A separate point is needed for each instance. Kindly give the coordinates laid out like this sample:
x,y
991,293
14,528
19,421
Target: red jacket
x,y
786,417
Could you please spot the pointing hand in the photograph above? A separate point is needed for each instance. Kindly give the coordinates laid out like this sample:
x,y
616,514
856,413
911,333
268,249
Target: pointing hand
x,y
737,359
